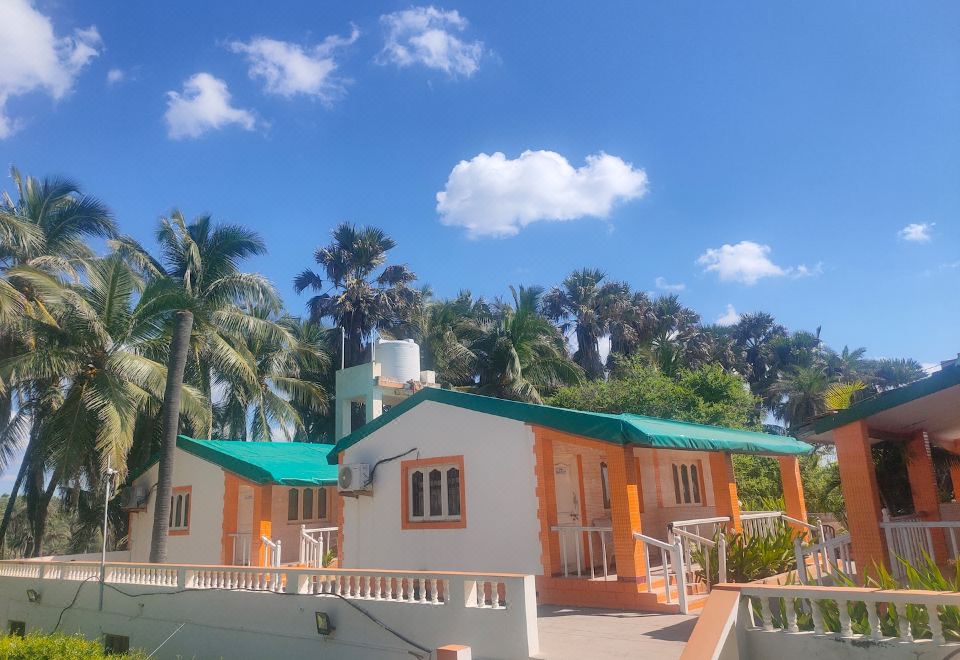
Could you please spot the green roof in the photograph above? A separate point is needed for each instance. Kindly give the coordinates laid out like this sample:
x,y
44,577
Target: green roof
x,y
285,463
622,429
941,380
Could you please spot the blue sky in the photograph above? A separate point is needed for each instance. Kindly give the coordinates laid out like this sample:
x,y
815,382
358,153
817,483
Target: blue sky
x,y
798,158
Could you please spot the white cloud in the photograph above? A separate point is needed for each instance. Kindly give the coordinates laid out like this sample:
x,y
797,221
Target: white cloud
x,y
662,284
288,69
33,58
203,105
492,195
427,36
748,262
917,232
729,316
115,76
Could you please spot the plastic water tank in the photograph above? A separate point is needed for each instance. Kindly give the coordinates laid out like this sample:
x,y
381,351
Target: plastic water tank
x,y
399,360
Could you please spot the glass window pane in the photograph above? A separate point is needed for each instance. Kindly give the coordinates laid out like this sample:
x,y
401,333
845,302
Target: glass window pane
x,y
186,510
307,503
605,485
695,478
686,484
293,500
453,492
676,483
436,493
417,495
322,503
177,517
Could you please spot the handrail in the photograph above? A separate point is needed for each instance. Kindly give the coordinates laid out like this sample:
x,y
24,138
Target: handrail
x,y
933,524
797,521
695,537
652,541
698,521
675,553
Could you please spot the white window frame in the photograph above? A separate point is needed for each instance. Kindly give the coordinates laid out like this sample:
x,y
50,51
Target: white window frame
x,y
676,481
186,499
425,470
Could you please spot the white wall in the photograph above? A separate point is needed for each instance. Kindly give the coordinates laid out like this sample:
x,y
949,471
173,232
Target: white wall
x,y
502,532
203,544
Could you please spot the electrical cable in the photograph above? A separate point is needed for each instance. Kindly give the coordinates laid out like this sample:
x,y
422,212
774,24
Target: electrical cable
x,y
74,601
386,460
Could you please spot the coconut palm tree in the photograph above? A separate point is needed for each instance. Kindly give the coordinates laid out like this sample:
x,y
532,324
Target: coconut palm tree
x,y
800,394
585,304
896,372
91,373
522,354
351,293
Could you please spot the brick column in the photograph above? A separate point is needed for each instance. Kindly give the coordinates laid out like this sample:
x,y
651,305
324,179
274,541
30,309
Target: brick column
x,y
262,503
793,490
955,478
550,558
625,498
725,488
231,496
858,481
923,486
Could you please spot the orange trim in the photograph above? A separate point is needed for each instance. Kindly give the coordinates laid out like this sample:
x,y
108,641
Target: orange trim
x,y
231,502
636,466
546,501
715,623
405,467
182,490
656,477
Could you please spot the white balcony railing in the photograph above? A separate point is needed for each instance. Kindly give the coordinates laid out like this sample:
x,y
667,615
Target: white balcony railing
x,y
274,551
315,544
241,548
820,560
571,549
910,538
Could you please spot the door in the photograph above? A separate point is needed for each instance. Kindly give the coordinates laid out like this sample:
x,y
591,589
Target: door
x,y
567,487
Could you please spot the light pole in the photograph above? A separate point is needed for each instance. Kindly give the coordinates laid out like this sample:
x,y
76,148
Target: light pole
x,y
106,514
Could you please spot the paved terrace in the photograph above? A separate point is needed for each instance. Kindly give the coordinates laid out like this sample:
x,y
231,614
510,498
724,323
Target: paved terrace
x,y
571,633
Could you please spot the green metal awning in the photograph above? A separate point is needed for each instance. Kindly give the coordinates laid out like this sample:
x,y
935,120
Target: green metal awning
x,y
284,463
623,429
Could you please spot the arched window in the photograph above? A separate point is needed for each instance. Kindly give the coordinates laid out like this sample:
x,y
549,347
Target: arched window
x,y
605,485
676,483
322,503
417,497
695,478
293,501
179,521
453,492
307,503
434,492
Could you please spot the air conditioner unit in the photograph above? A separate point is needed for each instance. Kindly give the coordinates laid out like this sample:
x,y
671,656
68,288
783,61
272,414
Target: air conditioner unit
x,y
354,478
133,498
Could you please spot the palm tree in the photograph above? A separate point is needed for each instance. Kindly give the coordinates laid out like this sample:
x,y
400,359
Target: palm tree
x,y
847,364
91,372
891,373
753,336
631,327
522,354
45,228
285,384
586,305
800,394
349,293
677,340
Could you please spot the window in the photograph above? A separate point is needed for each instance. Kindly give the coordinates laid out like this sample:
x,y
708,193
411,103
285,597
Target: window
x,y
179,522
115,644
293,504
605,485
307,503
322,503
433,494
686,483
17,628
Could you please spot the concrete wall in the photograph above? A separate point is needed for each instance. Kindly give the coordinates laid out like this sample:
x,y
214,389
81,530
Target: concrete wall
x,y
761,644
502,530
215,623
203,543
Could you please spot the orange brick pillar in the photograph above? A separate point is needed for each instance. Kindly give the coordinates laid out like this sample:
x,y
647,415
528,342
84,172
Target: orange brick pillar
x,y
625,498
858,481
793,490
725,488
546,503
262,503
955,477
231,496
923,486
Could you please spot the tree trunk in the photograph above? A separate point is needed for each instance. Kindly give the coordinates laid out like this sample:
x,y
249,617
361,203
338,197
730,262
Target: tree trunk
x,y
179,348
21,473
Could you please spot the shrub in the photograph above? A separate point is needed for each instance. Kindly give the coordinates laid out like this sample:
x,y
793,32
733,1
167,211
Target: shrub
x,y
36,646
752,558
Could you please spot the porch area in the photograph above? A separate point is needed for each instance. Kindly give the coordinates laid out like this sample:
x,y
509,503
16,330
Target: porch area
x,y
620,523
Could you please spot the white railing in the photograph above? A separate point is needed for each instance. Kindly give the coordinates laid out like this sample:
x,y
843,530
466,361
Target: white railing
x,y
273,550
671,562
784,608
315,543
477,590
753,523
690,542
571,536
823,558
241,548
909,538
706,527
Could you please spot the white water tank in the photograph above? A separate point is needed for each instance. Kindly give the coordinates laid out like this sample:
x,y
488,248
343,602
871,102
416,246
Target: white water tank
x,y
399,360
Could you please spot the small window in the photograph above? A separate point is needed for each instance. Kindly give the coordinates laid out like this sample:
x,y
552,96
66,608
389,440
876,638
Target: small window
x,y
676,483
434,493
17,628
605,485
695,480
686,483
307,503
685,478
293,504
180,509
322,503
115,644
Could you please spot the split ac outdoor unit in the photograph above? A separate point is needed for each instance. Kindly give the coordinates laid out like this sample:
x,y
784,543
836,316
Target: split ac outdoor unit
x,y
133,498
353,478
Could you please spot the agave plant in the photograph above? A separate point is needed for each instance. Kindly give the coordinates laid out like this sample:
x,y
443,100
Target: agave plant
x,y
750,557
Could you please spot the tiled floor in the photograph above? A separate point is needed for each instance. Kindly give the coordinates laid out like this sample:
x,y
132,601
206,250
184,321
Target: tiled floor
x,y
568,633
